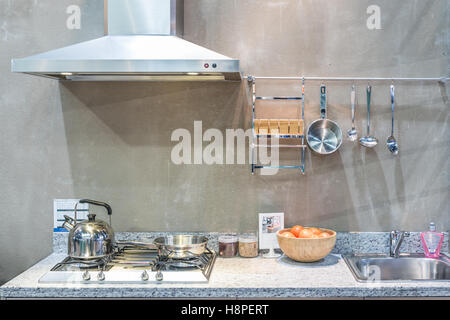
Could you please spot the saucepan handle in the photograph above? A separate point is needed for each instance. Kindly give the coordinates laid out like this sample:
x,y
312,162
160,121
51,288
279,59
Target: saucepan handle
x,y
137,244
323,101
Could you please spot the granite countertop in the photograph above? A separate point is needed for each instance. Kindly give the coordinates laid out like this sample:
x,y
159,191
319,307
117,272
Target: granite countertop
x,y
233,278
243,277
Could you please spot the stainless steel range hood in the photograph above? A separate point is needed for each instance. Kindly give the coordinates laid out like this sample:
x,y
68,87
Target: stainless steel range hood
x,y
142,43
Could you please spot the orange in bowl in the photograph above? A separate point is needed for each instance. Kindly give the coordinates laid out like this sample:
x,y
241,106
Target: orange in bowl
x,y
309,246
295,230
315,230
305,233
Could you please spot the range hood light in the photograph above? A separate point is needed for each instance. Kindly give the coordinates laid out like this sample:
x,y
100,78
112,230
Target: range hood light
x,y
192,73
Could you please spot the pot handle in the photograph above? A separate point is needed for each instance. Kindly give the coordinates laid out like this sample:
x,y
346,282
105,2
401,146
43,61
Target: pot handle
x,y
323,102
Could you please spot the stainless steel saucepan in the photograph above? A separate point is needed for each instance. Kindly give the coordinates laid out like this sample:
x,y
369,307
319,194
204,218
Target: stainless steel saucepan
x,y
181,246
324,136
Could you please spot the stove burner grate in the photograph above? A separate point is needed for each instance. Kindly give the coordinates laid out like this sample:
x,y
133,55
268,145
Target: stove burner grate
x,y
200,262
138,258
80,264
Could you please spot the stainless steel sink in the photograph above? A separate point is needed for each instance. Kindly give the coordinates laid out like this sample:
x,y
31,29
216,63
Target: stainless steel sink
x,y
374,268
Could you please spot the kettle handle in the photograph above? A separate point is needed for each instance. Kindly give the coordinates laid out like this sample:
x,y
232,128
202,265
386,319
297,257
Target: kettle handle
x,y
98,203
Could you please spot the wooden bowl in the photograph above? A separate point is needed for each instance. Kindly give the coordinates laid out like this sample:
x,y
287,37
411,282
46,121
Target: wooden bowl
x,y
305,249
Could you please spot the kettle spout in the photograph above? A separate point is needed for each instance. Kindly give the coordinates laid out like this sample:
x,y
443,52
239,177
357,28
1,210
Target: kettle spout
x,y
69,223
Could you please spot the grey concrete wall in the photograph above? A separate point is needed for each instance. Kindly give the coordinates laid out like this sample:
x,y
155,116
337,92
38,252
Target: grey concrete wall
x,y
111,141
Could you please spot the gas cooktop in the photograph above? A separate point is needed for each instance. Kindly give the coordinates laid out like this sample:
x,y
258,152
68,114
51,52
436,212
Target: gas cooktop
x,y
132,264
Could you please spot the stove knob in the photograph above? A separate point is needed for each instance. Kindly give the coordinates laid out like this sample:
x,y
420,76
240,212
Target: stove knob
x,y
101,276
144,276
86,276
159,276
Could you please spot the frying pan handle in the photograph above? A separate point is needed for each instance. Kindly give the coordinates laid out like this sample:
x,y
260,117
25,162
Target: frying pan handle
x,y
323,102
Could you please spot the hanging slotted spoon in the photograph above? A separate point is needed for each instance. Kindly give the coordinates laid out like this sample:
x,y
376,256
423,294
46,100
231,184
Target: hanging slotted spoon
x,y
391,142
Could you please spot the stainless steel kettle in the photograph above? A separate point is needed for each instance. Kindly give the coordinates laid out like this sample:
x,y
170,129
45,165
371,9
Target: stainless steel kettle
x,y
90,239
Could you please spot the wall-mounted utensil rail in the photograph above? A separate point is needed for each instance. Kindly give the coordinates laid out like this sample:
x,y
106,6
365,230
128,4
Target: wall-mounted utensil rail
x,y
278,98
278,128
441,79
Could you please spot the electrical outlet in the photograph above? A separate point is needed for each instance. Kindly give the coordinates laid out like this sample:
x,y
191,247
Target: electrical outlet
x,y
62,207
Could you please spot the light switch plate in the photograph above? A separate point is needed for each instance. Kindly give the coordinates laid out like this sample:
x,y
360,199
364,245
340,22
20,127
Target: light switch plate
x,y
62,207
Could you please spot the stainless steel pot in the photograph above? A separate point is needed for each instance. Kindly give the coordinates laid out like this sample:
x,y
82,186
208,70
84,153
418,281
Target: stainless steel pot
x,y
324,136
181,246
90,239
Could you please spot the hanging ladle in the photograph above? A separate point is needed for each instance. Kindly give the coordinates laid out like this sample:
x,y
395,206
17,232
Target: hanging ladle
x,y
368,140
391,142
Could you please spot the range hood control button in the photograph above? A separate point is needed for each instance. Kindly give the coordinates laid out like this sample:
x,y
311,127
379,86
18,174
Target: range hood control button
x,y
214,65
206,65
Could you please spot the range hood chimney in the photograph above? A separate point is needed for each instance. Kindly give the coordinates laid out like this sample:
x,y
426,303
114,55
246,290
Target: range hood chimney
x,y
142,43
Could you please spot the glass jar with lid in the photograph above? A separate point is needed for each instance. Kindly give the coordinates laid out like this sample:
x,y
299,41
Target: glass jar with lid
x,y
228,245
248,245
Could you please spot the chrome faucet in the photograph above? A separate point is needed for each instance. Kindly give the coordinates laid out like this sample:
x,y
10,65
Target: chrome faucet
x,y
396,238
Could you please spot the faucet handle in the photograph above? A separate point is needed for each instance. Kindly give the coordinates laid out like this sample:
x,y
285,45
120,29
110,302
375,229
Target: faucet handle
x,y
394,233
399,232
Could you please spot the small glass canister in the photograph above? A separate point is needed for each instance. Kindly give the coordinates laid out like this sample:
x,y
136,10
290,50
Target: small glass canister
x,y
248,245
228,245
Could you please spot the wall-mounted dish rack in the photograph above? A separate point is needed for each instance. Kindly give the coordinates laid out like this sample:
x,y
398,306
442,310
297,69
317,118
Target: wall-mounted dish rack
x,y
295,128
